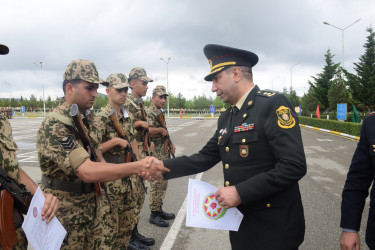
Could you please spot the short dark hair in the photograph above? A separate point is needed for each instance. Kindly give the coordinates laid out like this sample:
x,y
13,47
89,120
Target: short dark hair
x,y
74,82
246,71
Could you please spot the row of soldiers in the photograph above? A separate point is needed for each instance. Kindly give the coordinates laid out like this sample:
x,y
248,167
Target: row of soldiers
x,y
98,192
7,112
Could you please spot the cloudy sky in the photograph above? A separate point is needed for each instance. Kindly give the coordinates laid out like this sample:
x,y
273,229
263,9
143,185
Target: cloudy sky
x,y
118,35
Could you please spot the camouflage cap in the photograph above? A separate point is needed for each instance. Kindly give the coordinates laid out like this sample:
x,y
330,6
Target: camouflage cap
x,y
3,49
117,80
82,70
159,90
139,73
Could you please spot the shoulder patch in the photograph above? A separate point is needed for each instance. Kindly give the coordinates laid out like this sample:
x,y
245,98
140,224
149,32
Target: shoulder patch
x,y
67,143
285,118
266,93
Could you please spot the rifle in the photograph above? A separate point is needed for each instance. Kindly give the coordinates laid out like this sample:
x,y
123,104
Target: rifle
x,y
146,142
168,145
129,154
13,195
78,123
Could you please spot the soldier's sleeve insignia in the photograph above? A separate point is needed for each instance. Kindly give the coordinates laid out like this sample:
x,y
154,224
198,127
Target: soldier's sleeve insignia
x,y
67,143
285,118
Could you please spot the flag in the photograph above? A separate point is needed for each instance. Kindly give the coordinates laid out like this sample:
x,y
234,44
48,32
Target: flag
x,y
317,112
355,115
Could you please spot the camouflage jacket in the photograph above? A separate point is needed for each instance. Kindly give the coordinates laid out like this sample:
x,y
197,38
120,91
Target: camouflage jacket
x,y
8,157
60,153
158,140
116,154
133,108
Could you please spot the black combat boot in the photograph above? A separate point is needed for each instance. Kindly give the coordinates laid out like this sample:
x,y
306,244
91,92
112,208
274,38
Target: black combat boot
x,y
166,216
143,239
136,244
155,218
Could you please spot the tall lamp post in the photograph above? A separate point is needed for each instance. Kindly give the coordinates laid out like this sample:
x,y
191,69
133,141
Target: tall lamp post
x,y
167,62
274,79
342,32
291,75
44,100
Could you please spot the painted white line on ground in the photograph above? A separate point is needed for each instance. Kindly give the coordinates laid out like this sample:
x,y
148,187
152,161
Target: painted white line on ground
x,y
176,226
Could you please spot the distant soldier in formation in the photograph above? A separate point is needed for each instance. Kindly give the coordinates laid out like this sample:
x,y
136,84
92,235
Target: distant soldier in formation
x,y
116,219
67,170
159,136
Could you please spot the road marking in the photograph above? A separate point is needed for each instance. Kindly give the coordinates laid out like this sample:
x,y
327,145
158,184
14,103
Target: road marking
x,y
176,226
324,140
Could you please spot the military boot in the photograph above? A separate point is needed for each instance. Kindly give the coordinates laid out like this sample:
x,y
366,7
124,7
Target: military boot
x,y
145,241
165,215
155,218
135,243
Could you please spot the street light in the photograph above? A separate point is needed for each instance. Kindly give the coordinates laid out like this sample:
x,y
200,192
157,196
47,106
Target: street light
x,y
291,75
342,31
44,101
274,79
167,62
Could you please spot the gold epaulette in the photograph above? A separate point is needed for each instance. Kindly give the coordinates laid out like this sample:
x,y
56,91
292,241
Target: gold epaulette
x,y
266,93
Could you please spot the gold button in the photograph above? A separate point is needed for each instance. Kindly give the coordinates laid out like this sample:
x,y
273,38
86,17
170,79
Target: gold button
x,y
244,115
243,140
227,183
226,166
249,103
268,205
259,91
226,149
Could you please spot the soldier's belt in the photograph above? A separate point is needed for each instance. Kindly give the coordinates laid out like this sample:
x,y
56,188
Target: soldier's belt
x,y
67,186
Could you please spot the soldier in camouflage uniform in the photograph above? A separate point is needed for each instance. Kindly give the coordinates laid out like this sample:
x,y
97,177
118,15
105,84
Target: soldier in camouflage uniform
x,y
158,188
138,81
67,171
117,221
9,162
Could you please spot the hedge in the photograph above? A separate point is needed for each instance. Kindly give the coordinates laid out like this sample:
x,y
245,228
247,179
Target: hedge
x,y
350,128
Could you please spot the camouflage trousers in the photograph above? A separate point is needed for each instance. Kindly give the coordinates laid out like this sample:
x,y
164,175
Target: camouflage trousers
x,y
22,241
138,195
80,236
158,189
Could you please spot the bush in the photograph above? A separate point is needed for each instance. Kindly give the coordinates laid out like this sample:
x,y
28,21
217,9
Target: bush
x,y
343,127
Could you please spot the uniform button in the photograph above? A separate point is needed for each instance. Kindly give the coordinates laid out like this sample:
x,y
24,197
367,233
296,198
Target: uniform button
x,y
244,115
268,205
249,103
227,183
243,140
226,149
226,166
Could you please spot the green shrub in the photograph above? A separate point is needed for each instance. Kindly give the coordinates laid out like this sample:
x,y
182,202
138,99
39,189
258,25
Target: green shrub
x,y
343,127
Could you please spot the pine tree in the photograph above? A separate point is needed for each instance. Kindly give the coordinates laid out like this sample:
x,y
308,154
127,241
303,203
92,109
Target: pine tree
x,y
338,92
362,85
322,82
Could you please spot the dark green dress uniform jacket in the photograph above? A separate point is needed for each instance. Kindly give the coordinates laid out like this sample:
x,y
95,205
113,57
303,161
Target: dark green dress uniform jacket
x,y
360,177
264,163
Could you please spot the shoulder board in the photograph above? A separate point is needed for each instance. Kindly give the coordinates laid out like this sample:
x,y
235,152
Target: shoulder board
x,y
62,118
266,93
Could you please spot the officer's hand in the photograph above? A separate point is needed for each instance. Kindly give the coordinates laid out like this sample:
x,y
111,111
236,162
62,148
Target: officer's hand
x,y
122,143
140,124
349,241
50,207
228,197
152,168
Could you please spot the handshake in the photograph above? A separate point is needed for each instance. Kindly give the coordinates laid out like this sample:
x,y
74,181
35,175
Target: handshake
x,y
152,168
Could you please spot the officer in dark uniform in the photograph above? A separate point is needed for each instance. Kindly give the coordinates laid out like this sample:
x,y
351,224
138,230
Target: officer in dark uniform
x,y
360,177
259,143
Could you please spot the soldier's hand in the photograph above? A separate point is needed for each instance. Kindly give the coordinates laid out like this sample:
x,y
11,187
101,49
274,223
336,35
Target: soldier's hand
x,y
153,169
122,143
228,197
163,131
173,150
140,124
50,207
152,147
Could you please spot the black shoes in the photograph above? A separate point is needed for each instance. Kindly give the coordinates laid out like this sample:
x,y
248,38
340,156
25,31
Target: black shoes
x,y
139,242
159,218
136,244
144,240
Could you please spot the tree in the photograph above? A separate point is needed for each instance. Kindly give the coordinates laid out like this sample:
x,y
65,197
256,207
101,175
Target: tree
x,y
322,82
338,93
180,101
309,102
293,98
362,85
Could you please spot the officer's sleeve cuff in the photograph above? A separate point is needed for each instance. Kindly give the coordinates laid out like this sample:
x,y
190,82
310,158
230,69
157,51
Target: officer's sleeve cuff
x,y
348,230
77,157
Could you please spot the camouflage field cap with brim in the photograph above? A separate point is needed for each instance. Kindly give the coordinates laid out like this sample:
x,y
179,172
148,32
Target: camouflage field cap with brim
x,y
159,90
221,57
83,70
3,49
117,80
139,73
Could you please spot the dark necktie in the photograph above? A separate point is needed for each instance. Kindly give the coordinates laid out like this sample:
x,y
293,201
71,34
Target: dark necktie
x,y
234,114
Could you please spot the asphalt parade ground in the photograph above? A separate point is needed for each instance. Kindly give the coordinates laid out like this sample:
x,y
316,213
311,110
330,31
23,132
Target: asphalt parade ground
x,y
328,159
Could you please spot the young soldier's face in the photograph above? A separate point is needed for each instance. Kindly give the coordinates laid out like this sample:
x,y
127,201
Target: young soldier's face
x,y
117,96
139,87
159,100
84,94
